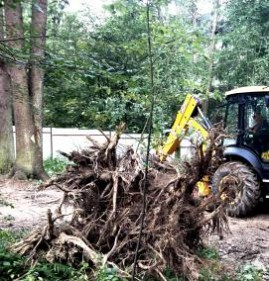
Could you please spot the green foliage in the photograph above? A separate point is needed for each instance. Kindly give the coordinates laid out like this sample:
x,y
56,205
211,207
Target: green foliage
x,y
98,77
244,56
8,237
13,266
213,271
10,264
108,274
54,166
208,253
168,274
249,273
171,276
207,274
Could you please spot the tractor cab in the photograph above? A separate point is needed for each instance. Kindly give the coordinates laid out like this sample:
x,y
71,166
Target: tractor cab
x,y
247,120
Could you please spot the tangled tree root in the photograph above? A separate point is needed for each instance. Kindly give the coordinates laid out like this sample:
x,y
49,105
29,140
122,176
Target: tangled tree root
x,y
106,194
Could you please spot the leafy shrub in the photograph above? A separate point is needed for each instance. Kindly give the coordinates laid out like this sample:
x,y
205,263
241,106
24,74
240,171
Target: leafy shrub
x,y
13,266
8,237
54,166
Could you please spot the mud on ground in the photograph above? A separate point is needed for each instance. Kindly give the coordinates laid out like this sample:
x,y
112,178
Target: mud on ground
x,y
247,243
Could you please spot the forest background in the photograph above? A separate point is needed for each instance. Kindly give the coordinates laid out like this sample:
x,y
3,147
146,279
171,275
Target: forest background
x,y
81,69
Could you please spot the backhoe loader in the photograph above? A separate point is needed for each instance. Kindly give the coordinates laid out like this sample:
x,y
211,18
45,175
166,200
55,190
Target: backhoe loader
x,y
246,150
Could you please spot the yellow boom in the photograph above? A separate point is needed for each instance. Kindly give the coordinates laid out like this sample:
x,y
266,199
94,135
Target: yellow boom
x,y
183,121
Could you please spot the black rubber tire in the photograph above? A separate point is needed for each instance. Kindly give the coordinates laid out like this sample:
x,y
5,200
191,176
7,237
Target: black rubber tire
x,y
241,186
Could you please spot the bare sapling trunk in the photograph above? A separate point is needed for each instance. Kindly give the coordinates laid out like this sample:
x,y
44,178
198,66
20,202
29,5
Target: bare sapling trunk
x,y
212,49
36,78
25,134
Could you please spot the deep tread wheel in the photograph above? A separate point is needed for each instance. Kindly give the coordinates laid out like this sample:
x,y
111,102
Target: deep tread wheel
x,y
238,185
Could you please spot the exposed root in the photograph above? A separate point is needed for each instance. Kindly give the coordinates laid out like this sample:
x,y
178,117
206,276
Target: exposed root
x,y
105,192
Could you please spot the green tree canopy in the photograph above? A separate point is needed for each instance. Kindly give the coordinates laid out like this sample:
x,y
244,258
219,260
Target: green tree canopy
x,y
245,36
103,74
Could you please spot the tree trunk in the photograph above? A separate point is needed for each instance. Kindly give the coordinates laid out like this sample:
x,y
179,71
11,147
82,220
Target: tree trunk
x,y
38,41
211,54
7,156
25,138
6,134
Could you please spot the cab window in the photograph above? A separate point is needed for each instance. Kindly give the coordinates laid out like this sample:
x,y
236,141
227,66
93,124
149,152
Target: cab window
x,y
231,123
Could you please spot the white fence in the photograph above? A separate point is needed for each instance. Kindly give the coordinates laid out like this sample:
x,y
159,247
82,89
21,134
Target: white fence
x,y
67,140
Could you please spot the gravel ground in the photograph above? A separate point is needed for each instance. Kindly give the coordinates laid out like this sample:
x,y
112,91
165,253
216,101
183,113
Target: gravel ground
x,y
248,242
24,206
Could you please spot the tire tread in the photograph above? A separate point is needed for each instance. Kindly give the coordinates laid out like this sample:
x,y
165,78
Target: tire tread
x,y
250,193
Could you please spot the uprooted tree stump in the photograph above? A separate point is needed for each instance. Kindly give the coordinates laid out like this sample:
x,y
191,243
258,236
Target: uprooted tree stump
x,y
106,194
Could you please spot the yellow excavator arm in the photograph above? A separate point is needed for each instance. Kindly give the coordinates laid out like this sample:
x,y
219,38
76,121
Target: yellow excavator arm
x,y
181,125
184,120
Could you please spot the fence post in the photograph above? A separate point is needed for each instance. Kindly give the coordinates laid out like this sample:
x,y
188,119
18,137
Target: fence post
x,y
51,144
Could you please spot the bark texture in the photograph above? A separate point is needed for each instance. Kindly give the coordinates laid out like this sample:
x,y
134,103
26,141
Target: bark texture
x,y
27,86
6,135
38,41
25,138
